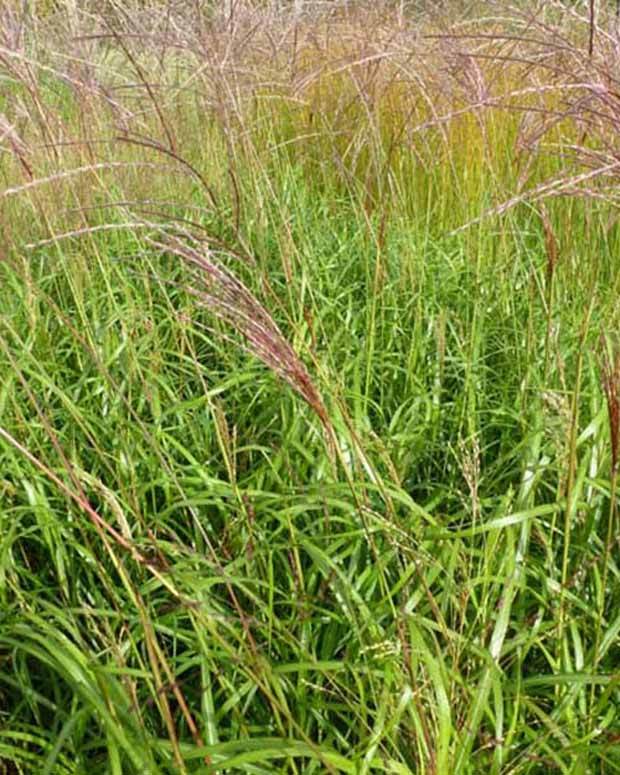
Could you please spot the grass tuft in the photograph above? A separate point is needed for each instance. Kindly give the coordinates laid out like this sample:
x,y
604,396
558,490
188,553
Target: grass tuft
x,y
309,410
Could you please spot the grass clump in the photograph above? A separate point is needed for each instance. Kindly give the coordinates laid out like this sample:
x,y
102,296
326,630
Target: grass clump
x,y
309,410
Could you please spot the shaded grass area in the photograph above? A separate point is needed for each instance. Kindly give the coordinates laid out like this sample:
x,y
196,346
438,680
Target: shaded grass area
x,y
309,401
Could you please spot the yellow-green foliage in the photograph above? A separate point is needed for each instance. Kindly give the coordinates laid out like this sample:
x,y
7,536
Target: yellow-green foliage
x,y
367,103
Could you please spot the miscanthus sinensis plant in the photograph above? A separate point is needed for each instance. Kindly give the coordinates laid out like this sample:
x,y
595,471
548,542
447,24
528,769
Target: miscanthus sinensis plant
x,y
309,407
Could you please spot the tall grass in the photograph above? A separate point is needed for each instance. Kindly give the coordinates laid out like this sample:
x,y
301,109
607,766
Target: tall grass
x,y
309,399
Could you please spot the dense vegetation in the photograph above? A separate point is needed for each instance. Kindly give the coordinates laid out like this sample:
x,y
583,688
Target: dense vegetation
x,y
310,389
